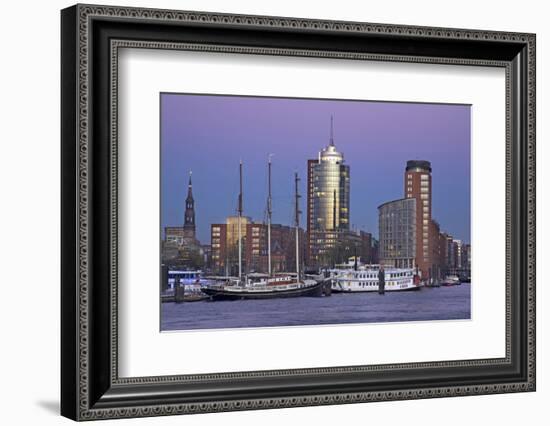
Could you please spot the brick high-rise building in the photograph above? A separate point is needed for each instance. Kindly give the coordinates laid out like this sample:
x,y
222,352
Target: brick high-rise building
x,y
418,185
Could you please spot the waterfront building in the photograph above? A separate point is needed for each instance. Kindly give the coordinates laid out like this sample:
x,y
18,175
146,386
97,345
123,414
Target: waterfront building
x,y
283,248
466,257
457,254
351,244
454,256
232,228
451,250
328,201
443,253
368,248
224,241
218,246
206,251
418,185
375,251
173,235
224,246
397,225
438,268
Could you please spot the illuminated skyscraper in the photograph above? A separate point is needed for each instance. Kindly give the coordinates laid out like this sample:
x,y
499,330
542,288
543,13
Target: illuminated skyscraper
x,y
328,200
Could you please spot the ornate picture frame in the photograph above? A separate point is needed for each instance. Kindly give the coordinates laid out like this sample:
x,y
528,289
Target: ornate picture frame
x,y
91,37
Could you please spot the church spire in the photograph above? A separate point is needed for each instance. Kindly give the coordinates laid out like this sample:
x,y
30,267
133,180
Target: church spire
x,y
190,187
189,223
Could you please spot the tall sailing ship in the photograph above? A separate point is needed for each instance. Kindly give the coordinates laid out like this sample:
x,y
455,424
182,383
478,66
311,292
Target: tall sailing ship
x,y
266,286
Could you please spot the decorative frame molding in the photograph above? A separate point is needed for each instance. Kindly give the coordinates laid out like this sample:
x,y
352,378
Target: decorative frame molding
x,y
91,37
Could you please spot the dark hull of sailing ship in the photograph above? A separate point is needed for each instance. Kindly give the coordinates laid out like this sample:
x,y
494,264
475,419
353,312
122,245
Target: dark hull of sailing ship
x,y
243,293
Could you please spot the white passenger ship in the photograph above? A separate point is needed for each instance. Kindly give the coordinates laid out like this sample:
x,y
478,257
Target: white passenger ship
x,y
354,277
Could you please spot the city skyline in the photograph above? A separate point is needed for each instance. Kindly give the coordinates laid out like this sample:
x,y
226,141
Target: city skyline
x,y
211,134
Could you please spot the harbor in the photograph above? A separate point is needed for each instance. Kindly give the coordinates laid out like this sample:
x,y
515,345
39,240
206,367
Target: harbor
x,y
315,266
427,304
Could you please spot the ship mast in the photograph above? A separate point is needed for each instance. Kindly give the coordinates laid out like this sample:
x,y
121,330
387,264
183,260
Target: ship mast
x,y
269,211
297,225
240,214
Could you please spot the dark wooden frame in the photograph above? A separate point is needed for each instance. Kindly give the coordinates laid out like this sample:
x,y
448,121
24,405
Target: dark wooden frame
x,y
90,386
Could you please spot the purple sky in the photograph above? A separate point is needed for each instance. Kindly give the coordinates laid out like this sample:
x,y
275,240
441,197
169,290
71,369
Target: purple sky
x,y
210,134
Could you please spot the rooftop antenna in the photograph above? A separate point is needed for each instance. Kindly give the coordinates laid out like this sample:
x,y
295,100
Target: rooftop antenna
x,y
332,130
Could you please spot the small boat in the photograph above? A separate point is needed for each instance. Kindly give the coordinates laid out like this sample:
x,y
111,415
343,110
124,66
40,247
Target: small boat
x,y
185,277
450,280
432,283
184,286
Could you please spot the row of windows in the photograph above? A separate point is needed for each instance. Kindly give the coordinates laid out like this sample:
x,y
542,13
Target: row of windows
x,y
422,176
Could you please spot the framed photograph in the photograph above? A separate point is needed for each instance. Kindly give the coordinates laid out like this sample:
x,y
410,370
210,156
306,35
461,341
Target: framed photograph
x,y
263,212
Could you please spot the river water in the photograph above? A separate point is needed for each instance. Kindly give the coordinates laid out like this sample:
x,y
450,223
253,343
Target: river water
x,y
427,304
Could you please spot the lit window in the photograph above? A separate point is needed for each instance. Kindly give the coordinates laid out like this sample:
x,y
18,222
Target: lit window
x,y
424,177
